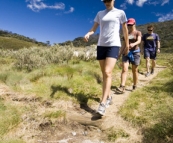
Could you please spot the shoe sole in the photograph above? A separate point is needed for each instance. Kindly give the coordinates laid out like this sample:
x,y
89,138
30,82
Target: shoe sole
x,y
120,91
98,113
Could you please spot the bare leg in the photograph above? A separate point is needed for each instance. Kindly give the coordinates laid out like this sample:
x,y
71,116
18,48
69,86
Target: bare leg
x,y
148,64
107,66
124,73
135,74
153,64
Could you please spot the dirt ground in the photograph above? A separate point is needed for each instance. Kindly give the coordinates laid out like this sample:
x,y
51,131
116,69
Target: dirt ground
x,y
80,125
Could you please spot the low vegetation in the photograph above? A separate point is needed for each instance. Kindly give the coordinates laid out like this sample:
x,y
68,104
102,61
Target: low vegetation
x,y
74,79
10,117
113,134
150,108
56,74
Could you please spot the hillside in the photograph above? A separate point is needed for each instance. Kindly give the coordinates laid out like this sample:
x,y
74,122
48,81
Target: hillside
x,y
9,40
164,29
48,96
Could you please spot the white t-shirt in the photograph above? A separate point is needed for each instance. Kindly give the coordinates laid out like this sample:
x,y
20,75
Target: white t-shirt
x,y
109,21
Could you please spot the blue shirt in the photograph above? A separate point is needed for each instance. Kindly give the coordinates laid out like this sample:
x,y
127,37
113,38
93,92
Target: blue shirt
x,y
150,41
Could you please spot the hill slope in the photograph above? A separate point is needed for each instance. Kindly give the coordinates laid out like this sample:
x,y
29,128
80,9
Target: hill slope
x,y
164,29
9,40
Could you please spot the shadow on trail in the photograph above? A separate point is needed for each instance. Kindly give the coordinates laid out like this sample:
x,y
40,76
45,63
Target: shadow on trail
x,y
141,72
116,91
81,97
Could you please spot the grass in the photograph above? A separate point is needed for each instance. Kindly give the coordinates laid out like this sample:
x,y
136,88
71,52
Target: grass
x,y
81,82
113,134
12,141
10,117
56,114
78,82
151,107
13,43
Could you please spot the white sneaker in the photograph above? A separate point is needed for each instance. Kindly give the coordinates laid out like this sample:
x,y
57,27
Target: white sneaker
x,y
101,109
108,101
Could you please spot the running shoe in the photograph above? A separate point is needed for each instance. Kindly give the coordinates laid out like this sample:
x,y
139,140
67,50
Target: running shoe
x,y
108,101
101,109
147,74
152,71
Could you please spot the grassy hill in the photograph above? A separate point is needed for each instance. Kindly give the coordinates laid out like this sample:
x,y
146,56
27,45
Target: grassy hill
x,y
35,105
9,40
13,43
164,29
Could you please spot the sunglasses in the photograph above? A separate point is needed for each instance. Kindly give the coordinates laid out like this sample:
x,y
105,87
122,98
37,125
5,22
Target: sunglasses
x,y
130,24
150,29
107,1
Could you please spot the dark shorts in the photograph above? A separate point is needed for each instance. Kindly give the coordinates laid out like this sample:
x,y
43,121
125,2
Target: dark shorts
x,y
136,59
149,54
104,52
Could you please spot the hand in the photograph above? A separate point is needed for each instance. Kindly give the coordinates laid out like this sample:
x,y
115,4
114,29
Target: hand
x,y
126,50
86,37
131,45
158,50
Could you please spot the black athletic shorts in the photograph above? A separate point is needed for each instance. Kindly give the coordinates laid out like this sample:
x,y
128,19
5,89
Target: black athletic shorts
x,y
103,52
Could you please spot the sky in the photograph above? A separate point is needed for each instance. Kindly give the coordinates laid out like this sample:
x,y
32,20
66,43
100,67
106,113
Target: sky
x,y
58,21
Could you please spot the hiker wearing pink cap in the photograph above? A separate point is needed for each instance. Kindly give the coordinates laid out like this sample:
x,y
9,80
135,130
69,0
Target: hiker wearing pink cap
x,y
133,56
108,45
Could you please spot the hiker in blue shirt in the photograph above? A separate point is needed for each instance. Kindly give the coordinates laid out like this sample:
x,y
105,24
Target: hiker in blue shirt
x,y
133,56
150,46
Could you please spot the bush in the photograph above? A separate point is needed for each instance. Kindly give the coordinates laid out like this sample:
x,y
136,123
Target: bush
x,y
33,58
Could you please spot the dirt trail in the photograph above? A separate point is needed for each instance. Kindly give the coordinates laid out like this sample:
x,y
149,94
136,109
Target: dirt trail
x,y
79,125
112,118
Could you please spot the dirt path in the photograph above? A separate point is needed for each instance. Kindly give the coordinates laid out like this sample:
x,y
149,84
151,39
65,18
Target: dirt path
x,y
112,118
79,125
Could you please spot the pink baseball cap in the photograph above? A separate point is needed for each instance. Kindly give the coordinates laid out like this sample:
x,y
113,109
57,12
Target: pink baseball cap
x,y
131,21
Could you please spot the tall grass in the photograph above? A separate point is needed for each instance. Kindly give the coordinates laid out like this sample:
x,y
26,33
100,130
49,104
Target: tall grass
x,y
10,117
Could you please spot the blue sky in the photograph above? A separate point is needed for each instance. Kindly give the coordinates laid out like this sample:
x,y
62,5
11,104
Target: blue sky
x,y
62,20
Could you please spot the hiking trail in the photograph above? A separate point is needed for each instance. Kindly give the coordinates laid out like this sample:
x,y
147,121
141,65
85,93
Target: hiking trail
x,y
78,126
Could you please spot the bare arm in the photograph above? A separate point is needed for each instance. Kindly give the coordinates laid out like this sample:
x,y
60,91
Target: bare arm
x,y
136,43
158,46
126,39
121,49
92,30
